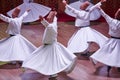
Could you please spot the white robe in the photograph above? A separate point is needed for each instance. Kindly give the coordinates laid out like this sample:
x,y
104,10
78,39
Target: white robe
x,y
15,48
109,54
94,15
36,10
79,41
52,57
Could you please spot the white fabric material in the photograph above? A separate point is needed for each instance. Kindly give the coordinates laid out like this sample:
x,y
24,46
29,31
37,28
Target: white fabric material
x,y
50,32
82,16
52,58
109,54
79,41
84,0
27,1
94,15
114,25
14,26
36,11
15,47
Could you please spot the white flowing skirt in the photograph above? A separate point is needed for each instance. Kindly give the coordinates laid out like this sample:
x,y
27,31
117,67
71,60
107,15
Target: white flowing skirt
x,y
36,11
109,54
50,59
79,41
15,48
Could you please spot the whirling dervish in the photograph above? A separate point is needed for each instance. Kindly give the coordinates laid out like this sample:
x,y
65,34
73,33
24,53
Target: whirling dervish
x,y
36,10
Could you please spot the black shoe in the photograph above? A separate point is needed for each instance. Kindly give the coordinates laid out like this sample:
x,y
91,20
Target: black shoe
x,y
108,70
53,78
118,69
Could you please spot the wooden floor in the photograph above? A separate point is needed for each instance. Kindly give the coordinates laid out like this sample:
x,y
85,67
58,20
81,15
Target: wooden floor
x,y
84,69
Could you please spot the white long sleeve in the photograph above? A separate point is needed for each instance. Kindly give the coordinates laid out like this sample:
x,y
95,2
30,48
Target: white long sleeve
x,y
72,9
44,22
24,15
95,6
4,18
114,24
107,18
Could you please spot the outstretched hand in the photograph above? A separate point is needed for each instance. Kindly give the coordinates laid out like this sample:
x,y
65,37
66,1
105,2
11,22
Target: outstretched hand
x,y
64,2
41,18
117,14
119,9
103,0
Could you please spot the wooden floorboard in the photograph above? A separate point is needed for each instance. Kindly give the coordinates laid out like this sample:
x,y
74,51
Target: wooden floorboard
x,y
84,69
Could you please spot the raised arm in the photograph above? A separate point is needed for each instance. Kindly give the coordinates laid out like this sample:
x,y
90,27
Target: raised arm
x,y
25,13
107,17
97,5
55,18
117,14
43,21
70,8
5,18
